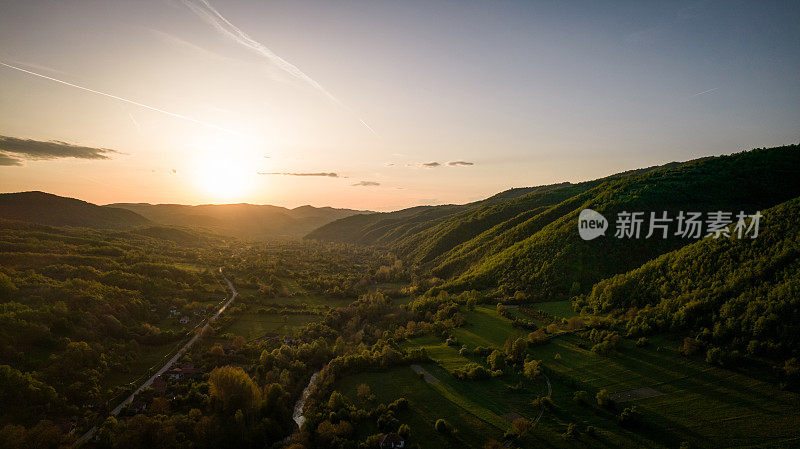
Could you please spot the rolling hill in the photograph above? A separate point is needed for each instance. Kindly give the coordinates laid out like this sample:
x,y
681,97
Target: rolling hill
x,y
48,209
249,221
529,242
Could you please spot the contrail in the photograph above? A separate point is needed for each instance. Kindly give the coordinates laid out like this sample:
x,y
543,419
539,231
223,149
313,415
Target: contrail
x,y
704,92
224,26
135,103
135,123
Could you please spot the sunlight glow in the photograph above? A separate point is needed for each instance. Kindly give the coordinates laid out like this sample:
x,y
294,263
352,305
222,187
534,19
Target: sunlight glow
x,y
225,171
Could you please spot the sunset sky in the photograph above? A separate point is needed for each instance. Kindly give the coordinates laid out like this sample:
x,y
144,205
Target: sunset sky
x,y
380,105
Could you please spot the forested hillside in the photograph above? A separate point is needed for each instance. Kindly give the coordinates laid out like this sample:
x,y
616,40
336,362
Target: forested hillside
x,y
53,210
80,308
530,243
741,295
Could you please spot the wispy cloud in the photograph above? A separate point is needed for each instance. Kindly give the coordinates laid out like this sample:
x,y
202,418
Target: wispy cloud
x,y
9,161
431,164
460,163
136,103
207,12
14,150
329,175
366,184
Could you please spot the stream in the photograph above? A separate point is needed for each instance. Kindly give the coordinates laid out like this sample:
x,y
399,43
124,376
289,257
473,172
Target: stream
x,y
298,416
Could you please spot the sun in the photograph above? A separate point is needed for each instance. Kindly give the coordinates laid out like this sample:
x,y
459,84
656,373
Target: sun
x,y
225,175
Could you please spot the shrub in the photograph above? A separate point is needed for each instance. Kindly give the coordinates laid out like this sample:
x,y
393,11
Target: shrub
x,y
630,417
532,369
604,399
442,426
472,371
580,397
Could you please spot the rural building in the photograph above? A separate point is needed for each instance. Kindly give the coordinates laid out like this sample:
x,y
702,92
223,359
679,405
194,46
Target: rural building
x,y
185,371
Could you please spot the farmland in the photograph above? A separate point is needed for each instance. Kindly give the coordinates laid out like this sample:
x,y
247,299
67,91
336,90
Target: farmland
x,y
696,403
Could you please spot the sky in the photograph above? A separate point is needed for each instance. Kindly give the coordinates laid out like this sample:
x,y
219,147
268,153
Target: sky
x,y
380,105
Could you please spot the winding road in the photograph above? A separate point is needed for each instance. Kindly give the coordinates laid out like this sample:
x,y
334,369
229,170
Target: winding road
x,y
198,329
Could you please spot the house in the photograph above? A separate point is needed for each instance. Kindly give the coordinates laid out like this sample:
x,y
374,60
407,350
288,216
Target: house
x,y
184,320
392,441
173,310
185,371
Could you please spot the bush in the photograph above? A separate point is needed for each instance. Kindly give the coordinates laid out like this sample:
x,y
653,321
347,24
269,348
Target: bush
x,y
630,417
580,397
642,342
472,371
604,399
532,369
443,426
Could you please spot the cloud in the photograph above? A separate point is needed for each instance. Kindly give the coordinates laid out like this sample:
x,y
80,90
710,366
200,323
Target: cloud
x,y
204,10
135,103
9,161
460,163
329,175
431,164
366,184
14,150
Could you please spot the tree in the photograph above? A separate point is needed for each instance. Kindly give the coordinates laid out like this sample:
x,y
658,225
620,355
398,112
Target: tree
x,y
217,351
532,369
520,426
234,389
580,397
159,406
496,360
6,286
363,392
404,431
604,398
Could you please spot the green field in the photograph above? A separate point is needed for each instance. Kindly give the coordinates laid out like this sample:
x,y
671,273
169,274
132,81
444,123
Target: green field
x,y
484,327
560,309
705,406
475,410
254,325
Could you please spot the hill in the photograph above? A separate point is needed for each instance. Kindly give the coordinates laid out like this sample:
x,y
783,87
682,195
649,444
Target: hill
x,y
739,294
249,221
529,242
53,210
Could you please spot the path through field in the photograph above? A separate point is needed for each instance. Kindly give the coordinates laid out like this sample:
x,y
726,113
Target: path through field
x,y
430,378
